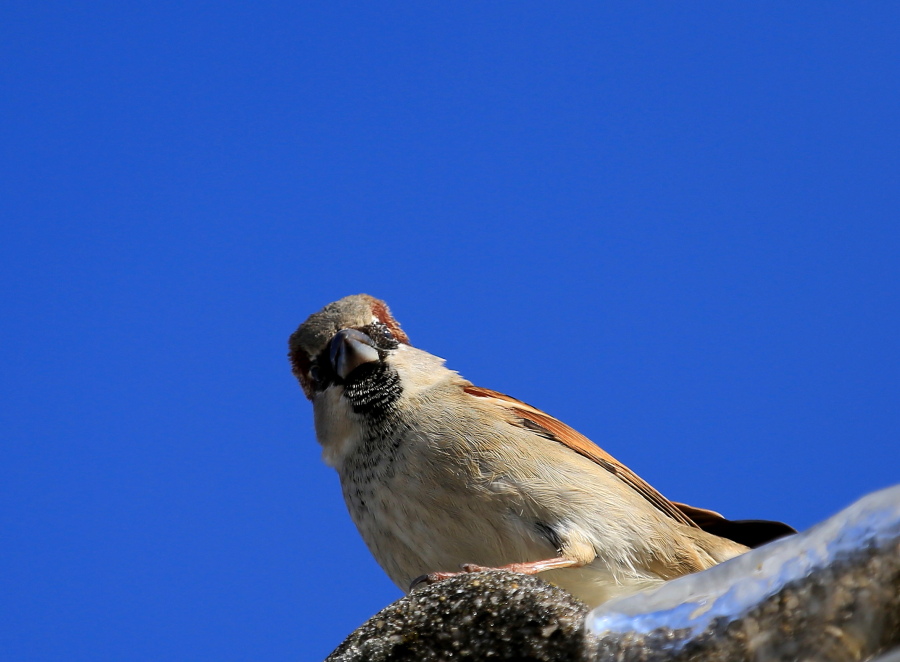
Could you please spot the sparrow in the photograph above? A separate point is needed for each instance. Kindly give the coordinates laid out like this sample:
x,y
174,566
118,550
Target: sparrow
x,y
439,474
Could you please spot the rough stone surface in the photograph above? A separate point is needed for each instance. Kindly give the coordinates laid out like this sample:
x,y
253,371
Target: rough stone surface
x,y
489,615
847,611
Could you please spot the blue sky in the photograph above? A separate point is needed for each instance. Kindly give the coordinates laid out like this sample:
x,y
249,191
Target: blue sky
x,y
677,228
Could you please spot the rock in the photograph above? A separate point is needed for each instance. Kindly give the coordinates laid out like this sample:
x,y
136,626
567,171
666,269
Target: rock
x,y
491,615
830,593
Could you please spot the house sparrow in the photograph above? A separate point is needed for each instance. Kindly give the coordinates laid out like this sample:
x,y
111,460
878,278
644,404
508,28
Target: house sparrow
x,y
440,474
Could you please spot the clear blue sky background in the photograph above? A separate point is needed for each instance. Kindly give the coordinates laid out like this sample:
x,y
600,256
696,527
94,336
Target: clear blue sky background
x,y
675,227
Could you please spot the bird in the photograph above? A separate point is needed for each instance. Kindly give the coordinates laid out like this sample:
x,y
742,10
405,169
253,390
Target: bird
x,y
441,476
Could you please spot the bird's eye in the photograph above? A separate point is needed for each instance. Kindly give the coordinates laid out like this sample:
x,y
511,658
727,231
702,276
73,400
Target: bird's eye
x,y
314,372
380,329
380,335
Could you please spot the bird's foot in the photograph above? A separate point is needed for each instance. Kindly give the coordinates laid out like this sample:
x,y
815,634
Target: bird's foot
x,y
431,578
530,568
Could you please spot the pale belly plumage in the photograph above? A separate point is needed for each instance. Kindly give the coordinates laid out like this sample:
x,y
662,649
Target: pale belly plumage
x,y
415,523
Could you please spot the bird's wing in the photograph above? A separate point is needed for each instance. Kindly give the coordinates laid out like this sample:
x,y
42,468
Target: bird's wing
x,y
547,426
751,533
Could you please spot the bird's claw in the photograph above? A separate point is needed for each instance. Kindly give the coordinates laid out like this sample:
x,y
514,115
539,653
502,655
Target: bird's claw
x,y
435,577
471,567
430,578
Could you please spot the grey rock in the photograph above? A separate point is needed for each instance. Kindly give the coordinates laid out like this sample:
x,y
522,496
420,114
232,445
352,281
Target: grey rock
x,y
491,615
847,611
830,593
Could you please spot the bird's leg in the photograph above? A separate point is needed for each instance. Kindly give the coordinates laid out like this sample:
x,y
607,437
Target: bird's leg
x,y
529,568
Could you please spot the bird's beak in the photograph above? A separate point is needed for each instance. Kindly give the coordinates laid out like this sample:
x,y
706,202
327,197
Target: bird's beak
x,y
349,350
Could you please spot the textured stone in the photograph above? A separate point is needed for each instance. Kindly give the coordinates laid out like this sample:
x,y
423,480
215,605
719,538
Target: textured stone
x,y
831,593
847,611
489,615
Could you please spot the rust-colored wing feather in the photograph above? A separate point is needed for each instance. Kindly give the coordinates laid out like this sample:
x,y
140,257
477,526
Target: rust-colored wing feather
x,y
551,428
